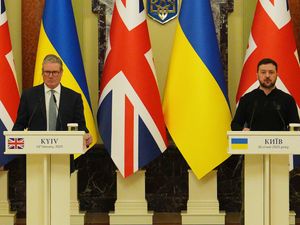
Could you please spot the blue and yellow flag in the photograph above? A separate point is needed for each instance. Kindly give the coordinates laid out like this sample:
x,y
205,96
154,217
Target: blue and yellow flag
x,y
196,106
58,35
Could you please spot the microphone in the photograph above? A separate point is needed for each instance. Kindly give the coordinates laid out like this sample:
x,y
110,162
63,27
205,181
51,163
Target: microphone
x,y
278,107
58,114
252,115
34,112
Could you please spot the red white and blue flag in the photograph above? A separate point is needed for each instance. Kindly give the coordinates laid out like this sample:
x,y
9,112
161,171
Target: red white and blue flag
x,y
130,115
272,37
15,143
9,93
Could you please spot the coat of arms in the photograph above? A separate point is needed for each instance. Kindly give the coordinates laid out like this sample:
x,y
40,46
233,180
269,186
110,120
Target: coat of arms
x,y
162,11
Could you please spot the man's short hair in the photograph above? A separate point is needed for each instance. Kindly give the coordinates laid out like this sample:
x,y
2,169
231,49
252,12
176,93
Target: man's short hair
x,y
52,59
266,61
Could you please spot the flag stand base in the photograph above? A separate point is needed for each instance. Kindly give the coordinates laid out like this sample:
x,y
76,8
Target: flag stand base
x,y
131,205
6,217
203,204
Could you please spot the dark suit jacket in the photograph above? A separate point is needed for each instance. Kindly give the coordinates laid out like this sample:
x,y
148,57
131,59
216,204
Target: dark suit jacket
x,y
32,110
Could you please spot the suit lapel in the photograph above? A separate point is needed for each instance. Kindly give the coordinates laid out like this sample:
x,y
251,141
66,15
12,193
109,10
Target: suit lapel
x,y
62,99
62,104
41,92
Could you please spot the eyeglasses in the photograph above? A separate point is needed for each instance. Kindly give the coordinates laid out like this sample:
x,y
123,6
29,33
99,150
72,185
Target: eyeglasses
x,y
53,73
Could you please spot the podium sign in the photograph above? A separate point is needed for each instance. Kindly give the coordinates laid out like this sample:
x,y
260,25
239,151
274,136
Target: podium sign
x,y
263,142
44,142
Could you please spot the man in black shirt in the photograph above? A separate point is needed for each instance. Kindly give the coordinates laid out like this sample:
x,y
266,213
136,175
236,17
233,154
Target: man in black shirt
x,y
265,108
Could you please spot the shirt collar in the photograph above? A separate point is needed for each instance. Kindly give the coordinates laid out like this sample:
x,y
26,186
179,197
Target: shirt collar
x,y
262,92
57,89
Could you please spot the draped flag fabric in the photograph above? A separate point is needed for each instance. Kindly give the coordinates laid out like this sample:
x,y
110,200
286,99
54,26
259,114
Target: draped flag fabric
x,y
130,115
196,106
58,35
9,93
272,37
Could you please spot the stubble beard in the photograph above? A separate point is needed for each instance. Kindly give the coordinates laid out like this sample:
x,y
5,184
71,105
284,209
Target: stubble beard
x,y
267,86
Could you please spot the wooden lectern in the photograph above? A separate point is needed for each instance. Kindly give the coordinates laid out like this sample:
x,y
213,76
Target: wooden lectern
x,y
266,175
47,172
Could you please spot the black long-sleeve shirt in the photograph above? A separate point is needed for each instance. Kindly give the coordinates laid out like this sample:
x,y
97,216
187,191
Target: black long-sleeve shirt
x,y
261,112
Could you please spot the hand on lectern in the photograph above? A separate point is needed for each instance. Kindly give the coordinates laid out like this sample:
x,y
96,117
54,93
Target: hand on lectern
x,y
87,139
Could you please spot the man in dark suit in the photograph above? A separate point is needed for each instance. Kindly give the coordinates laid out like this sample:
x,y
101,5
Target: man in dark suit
x,y
34,109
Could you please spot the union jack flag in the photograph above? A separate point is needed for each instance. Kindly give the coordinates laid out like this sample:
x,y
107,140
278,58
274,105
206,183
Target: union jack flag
x,y
130,115
15,143
272,37
9,94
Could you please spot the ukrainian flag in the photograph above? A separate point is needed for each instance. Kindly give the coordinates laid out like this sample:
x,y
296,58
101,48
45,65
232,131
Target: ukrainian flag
x,y
239,143
58,35
196,106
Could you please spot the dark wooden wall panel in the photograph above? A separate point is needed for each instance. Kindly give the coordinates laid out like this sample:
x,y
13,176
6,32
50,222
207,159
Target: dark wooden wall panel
x,y
31,20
